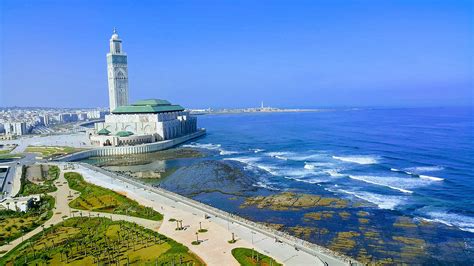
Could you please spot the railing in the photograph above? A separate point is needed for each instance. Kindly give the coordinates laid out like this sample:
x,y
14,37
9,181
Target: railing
x,y
308,247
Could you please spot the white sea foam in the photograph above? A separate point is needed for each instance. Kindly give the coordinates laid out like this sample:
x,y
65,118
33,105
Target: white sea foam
x,y
333,173
210,146
426,177
434,178
357,159
254,162
265,185
382,201
465,223
257,150
285,155
226,152
309,181
422,169
279,155
391,182
314,165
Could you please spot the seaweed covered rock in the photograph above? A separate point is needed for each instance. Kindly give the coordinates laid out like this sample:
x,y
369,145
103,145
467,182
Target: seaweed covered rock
x,y
210,176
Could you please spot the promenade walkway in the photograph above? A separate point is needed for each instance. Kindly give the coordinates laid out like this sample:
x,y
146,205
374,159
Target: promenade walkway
x,y
215,250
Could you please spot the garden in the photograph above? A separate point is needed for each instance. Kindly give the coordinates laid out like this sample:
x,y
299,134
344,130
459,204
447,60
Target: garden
x,y
100,241
95,198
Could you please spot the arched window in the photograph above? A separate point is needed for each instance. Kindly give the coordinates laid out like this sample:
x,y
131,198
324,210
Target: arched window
x,y
120,75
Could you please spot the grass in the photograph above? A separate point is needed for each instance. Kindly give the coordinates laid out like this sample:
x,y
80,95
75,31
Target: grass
x,y
52,151
101,241
249,257
95,198
14,224
46,186
5,156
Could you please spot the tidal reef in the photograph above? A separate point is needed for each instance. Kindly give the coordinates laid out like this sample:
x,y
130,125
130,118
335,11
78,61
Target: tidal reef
x,y
293,201
210,176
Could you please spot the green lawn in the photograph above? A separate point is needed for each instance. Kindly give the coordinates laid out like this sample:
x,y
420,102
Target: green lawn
x,y
47,186
14,224
247,257
11,156
52,151
95,198
99,241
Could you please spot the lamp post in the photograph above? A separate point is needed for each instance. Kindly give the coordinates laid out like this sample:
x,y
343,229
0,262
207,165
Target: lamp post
x,y
252,232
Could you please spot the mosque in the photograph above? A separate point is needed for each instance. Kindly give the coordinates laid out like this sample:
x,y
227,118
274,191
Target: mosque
x,y
144,121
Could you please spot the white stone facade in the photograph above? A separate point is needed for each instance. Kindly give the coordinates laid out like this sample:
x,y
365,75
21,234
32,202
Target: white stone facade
x,y
146,128
117,72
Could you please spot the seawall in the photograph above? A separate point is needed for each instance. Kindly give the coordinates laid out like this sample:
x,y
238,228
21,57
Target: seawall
x,y
137,149
326,256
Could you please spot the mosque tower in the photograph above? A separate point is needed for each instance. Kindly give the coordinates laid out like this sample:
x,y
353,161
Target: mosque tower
x,y
117,73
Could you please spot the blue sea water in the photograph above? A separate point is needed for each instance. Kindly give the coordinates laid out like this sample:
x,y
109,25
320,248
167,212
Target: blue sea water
x,y
417,161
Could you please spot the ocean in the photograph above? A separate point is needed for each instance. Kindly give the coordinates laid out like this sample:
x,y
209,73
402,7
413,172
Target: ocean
x,y
411,167
419,161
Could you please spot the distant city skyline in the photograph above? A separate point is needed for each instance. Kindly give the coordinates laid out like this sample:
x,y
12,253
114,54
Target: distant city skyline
x,y
236,54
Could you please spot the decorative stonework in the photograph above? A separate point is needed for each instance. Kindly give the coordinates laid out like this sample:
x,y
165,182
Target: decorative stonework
x,y
117,71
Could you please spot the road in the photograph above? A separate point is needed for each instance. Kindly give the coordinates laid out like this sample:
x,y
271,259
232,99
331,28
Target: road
x,y
12,180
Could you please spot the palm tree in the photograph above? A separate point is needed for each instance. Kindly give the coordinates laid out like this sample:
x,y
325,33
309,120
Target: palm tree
x,y
67,251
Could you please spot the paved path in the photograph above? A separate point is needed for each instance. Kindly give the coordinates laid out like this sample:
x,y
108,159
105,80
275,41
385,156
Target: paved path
x,y
78,140
62,209
215,250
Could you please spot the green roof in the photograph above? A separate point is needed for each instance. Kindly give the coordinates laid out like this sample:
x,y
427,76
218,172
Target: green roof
x,y
103,132
124,133
148,106
151,102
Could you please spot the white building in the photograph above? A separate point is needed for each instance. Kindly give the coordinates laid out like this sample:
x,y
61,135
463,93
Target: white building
x,y
15,128
117,72
145,121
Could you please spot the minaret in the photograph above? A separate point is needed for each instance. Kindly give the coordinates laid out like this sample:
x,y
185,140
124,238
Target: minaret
x,y
117,73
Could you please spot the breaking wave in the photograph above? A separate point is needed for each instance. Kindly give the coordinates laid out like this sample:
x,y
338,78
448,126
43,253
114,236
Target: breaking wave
x,y
309,181
420,169
265,185
210,146
465,223
434,178
253,163
390,182
357,159
279,155
382,201
426,177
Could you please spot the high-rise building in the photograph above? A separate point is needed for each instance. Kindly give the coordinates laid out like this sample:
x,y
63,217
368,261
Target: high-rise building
x,y
15,128
117,72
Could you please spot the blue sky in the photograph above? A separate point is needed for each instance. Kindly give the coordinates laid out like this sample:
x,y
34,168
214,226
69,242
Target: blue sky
x,y
238,53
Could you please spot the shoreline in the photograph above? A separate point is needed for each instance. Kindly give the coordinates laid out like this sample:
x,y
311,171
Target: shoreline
x,y
300,251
